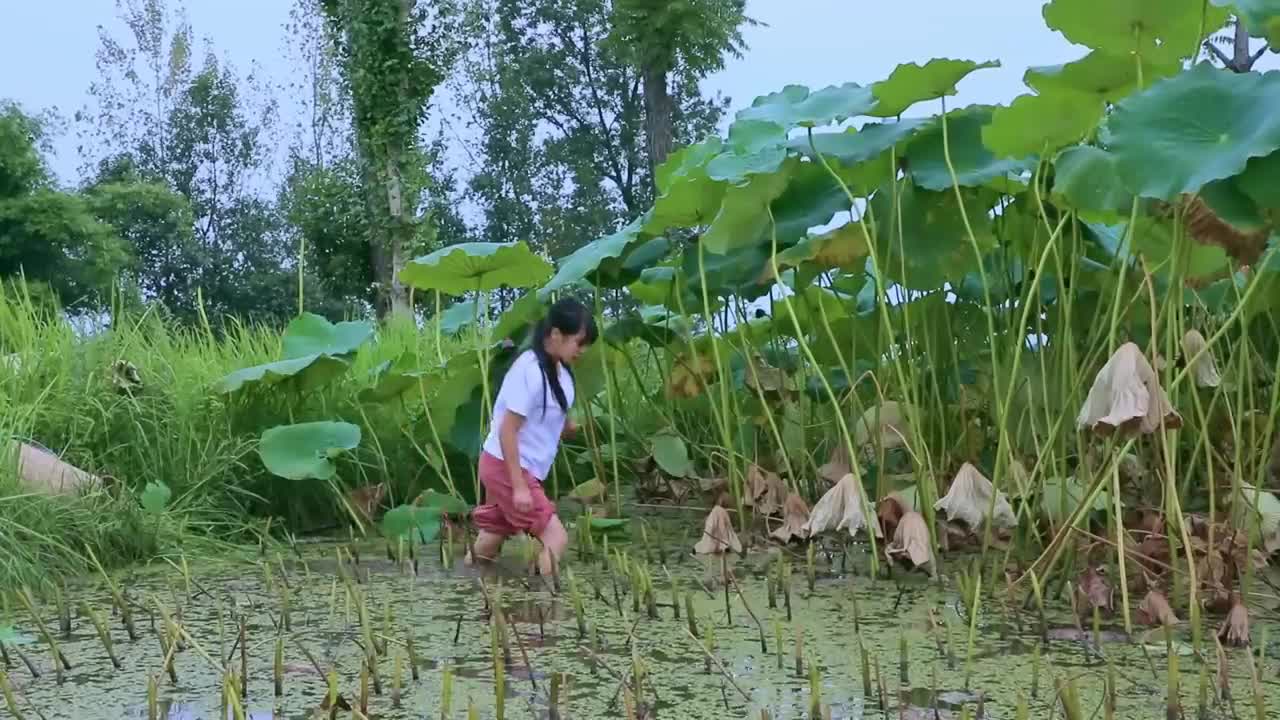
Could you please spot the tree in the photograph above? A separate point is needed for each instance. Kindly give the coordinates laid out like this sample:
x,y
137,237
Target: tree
x,y
393,55
50,238
560,116
1235,36
659,36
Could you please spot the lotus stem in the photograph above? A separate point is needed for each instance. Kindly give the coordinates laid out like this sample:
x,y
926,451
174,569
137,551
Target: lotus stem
x,y
446,692
10,700
60,661
413,656
799,652
815,693
100,627
974,605
153,698
364,687
904,671
1070,699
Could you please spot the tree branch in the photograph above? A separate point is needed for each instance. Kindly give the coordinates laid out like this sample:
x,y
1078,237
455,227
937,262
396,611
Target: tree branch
x,y
1254,57
1226,61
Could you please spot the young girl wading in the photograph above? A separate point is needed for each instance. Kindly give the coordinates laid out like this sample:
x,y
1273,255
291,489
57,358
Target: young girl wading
x,y
530,416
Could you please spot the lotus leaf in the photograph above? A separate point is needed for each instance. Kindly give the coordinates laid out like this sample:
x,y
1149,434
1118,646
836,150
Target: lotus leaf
x,y
911,83
402,520
795,106
687,197
1086,180
672,456
1158,30
307,450
476,267
310,334
1109,76
155,498
1039,124
1165,145
308,372
974,164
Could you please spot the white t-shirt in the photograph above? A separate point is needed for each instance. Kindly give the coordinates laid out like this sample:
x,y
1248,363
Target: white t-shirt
x,y
523,393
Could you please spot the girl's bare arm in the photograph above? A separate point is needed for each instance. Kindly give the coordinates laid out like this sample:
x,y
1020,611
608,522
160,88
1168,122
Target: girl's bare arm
x,y
508,437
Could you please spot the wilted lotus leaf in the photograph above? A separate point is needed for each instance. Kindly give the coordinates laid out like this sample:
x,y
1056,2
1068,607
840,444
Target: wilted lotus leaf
x,y
1155,610
889,512
795,514
1093,591
911,540
970,499
1258,512
1235,629
690,374
765,490
839,465
589,491
1126,395
1204,367
712,485
842,507
767,379
717,534
890,426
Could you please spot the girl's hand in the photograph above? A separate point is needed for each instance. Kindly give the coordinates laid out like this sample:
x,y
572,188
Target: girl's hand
x,y
521,498
570,428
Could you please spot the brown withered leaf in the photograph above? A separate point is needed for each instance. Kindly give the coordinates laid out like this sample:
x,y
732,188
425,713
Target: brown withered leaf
x,y
841,508
969,499
717,534
1235,629
889,512
795,515
765,490
1155,610
911,540
1203,366
1093,590
837,466
1126,396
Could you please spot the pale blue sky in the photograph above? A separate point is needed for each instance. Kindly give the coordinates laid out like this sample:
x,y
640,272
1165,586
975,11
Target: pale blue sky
x,y
47,48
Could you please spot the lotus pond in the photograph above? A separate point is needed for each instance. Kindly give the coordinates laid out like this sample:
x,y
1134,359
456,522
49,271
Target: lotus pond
x,y
290,620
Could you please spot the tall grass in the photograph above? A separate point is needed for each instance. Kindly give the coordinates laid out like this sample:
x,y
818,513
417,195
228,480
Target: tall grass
x,y
60,388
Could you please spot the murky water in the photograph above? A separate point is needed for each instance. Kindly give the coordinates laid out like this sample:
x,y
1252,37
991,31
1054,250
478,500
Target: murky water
x,y
444,610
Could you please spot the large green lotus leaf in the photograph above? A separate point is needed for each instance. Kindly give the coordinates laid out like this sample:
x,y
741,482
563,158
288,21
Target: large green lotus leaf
x,y
672,456
311,334
1086,180
614,273
525,311
910,83
307,450
587,259
1165,143
1107,75
1159,30
736,167
809,308
1040,124
1153,239
652,324
745,211
1060,498
442,503
660,286
859,145
687,197
458,316
743,272
1261,180
847,338
393,379
155,498
752,136
404,519
974,164
476,267
843,247
1261,18
307,372
795,106
933,245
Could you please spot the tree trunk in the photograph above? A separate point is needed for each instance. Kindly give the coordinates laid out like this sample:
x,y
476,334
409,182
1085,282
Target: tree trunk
x,y
657,119
1240,48
397,238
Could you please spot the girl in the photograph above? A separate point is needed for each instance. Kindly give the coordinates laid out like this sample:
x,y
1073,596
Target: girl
x,y
530,416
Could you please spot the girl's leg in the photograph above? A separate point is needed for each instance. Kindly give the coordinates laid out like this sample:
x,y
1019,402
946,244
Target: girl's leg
x,y
554,540
487,546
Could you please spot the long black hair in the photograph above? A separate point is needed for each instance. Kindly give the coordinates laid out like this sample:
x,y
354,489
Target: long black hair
x,y
570,317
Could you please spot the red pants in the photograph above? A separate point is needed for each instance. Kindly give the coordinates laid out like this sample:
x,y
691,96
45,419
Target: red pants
x,y
499,515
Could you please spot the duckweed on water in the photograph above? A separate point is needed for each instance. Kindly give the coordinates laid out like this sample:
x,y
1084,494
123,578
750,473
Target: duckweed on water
x,y
284,671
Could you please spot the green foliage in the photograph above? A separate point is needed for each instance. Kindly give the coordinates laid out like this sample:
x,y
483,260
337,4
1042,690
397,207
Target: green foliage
x,y
472,267
911,83
404,519
307,450
1155,30
1164,148
155,498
